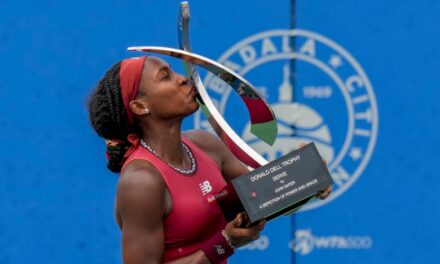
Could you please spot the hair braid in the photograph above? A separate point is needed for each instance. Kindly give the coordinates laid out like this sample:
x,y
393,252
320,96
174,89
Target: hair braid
x,y
108,116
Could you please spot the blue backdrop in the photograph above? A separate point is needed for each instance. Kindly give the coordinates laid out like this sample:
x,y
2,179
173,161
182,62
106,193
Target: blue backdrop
x,y
359,78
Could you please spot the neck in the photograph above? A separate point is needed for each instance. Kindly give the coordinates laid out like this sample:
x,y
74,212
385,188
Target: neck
x,y
165,139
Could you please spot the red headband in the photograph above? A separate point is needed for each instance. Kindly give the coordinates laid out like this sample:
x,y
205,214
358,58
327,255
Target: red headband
x,y
130,76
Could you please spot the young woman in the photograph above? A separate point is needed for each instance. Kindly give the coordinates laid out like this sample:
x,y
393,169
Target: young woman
x,y
165,201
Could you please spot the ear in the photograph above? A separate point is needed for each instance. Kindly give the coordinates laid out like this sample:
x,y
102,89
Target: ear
x,y
139,108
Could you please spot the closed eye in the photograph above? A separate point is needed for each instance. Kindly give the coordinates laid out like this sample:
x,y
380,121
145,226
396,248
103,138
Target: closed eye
x,y
165,73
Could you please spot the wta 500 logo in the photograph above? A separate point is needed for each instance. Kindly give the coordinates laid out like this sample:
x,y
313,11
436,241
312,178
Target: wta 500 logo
x,y
305,242
318,92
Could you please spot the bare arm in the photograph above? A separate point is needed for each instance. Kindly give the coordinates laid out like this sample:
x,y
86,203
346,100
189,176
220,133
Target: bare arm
x,y
141,204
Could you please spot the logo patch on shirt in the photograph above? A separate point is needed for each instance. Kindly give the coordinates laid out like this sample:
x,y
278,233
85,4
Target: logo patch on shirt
x,y
220,250
205,187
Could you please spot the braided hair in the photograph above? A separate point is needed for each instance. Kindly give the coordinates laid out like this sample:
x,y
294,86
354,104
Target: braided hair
x,y
108,117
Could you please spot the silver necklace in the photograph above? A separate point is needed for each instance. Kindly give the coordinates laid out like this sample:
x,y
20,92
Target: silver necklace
x,y
187,151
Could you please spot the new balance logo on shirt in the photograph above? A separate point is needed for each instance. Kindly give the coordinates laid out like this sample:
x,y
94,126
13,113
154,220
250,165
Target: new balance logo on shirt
x,y
205,187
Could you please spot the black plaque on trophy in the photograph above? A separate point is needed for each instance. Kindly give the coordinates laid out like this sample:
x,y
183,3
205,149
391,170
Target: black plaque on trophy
x,y
283,185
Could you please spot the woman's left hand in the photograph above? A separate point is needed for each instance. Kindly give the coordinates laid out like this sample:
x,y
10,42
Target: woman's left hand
x,y
325,193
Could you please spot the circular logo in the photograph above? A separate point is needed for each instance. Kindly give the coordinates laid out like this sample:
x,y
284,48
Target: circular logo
x,y
318,92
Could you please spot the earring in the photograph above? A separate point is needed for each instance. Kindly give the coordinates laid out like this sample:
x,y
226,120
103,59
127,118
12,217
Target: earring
x,y
146,111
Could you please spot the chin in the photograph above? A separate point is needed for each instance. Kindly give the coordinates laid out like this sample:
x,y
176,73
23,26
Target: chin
x,y
195,108
190,109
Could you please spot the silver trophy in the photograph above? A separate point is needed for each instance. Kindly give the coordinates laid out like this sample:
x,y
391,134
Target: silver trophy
x,y
303,171
263,122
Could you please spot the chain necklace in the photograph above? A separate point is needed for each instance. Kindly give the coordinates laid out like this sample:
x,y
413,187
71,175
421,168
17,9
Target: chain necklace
x,y
187,151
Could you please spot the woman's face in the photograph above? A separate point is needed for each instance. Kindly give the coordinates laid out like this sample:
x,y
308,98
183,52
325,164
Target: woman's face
x,y
166,93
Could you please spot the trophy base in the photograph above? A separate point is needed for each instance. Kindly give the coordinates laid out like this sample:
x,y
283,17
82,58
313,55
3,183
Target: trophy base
x,y
278,188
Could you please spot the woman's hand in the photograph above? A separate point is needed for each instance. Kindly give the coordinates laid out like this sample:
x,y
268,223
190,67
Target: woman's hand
x,y
239,235
325,193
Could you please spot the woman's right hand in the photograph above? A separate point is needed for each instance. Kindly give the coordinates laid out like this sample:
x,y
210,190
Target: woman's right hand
x,y
239,235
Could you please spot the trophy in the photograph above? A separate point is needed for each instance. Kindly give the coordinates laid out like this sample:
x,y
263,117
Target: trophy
x,y
272,188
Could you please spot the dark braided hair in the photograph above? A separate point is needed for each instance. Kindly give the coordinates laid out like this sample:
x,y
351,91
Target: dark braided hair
x,y
108,117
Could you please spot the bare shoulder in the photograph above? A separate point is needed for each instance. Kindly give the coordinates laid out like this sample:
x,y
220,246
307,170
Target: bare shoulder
x,y
204,140
138,185
140,174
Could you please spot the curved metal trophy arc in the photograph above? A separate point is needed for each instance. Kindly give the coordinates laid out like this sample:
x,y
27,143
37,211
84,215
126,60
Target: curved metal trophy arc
x,y
242,150
251,158
263,122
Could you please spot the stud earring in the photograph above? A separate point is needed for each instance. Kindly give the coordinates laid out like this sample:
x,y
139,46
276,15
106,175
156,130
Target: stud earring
x,y
146,111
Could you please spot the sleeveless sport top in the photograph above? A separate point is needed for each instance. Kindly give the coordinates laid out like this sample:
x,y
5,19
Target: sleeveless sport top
x,y
195,216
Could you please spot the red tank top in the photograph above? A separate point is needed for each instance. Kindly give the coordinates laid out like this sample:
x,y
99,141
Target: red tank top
x,y
195,216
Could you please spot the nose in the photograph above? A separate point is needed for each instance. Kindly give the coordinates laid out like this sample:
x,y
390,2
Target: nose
x,y
182,80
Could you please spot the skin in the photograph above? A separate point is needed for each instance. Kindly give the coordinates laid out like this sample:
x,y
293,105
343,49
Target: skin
x,y
165,99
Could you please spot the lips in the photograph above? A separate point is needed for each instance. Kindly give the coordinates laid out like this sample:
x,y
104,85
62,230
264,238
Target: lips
x,y
193,91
